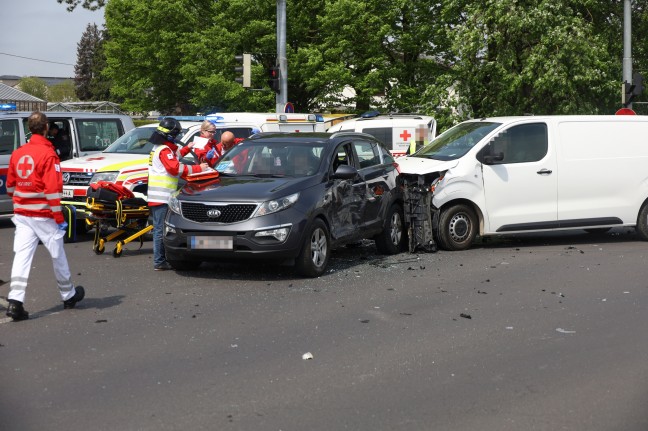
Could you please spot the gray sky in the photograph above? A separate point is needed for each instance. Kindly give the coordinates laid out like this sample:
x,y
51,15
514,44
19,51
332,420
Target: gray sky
x,y
41,30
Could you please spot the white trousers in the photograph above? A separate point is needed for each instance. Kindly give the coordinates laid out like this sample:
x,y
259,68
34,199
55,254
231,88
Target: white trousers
x,y
29,230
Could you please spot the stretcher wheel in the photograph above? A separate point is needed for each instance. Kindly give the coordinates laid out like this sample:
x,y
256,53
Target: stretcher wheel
x,y
100,246
118,249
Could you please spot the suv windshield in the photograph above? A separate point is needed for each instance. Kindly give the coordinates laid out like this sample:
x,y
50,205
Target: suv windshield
x,y
275,158
456,141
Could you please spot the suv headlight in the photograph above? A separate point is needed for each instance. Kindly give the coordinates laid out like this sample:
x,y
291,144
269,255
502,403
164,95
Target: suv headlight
x,y
174,203
276,205
104,176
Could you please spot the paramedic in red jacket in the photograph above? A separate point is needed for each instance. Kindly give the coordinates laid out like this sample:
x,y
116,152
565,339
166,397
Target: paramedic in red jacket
x,y
164,171
228,140
35,184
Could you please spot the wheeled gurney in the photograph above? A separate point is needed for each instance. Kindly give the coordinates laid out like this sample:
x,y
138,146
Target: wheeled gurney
x,y
112,205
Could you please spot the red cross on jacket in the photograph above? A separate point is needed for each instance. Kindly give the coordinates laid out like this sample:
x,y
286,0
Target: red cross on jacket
x,y
34,180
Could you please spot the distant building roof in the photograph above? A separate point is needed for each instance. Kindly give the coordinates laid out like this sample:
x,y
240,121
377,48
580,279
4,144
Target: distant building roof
x,y
8,93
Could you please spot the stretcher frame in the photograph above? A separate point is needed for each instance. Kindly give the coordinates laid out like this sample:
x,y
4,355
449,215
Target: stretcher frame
x,y
127,215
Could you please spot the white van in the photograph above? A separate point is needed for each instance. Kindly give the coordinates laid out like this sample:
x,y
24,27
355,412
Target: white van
x,y
396,131
242,124
506,175
85,132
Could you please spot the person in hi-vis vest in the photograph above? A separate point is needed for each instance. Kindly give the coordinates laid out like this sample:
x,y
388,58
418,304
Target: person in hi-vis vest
x,y
164,171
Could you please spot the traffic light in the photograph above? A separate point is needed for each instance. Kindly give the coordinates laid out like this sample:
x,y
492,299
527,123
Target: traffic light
x,y
630,91
274,78
243,71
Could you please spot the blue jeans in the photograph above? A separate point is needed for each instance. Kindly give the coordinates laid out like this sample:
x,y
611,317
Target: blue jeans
x,y
157,213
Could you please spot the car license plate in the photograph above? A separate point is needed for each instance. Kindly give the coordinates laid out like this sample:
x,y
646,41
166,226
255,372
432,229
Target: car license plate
x,y
68,193
211,243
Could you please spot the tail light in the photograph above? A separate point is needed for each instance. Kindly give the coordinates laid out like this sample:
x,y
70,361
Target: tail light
x,y
397,167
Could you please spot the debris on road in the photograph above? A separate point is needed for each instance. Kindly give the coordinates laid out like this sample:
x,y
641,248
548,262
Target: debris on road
x,y
564,331
306,356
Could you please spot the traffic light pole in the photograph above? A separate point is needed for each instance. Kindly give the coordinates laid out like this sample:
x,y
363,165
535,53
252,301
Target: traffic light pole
x,y
627,46
282,95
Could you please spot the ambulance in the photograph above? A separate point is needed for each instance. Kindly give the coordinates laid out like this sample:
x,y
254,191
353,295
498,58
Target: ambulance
x,y
244,124
396,131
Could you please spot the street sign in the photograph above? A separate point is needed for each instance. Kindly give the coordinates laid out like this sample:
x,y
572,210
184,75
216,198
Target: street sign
x,y
289,108
625,111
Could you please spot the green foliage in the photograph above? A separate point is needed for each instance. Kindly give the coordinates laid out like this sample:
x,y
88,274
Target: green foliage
x,y
453,59
63,92
86,4
34,86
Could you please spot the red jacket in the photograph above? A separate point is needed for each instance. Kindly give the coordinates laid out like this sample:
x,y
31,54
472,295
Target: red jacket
x,y
220,150
34,180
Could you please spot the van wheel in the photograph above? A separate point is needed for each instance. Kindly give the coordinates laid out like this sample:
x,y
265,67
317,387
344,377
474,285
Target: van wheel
x,y
642,223
457,228
314,255
392,239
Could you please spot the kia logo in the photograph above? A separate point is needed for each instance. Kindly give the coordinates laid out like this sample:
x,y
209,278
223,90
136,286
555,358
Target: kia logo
x,y
213,213
66,177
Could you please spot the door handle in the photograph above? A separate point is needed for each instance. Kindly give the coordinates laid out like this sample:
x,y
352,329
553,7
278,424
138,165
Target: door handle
x,y
544,172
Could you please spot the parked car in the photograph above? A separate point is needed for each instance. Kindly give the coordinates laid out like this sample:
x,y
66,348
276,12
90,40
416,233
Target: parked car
x,y
292,197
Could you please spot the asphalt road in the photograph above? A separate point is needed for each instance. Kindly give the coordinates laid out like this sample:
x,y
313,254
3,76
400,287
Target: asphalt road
x,y
532,333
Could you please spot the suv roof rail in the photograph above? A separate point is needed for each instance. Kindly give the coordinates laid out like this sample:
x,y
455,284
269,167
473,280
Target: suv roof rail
x,y
349,132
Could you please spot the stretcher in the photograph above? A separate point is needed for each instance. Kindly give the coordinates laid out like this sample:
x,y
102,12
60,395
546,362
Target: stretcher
x,y
110,205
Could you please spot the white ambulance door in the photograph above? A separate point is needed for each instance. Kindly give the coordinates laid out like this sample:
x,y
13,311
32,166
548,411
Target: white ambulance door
x,y
10,139
401,139
521,190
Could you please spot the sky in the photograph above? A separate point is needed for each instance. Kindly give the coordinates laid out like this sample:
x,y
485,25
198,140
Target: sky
x,y
42,30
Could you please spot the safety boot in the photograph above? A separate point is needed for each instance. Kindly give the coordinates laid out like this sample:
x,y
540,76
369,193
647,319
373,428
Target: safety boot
x,y
16,311
78,296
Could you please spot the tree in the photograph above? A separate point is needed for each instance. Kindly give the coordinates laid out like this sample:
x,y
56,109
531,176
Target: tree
x,y
145,52
86,4
87,69
34,86
63,92
543,57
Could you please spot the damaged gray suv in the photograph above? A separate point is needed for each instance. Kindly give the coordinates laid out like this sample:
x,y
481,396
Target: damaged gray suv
x,y
290,197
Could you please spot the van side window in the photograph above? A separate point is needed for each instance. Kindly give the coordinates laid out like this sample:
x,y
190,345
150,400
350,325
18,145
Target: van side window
x,y
522,144
383,134
367,153
96,135
9,135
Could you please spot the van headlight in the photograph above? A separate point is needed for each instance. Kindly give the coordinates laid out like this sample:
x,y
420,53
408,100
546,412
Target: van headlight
x,y
111,177
174,203
276,205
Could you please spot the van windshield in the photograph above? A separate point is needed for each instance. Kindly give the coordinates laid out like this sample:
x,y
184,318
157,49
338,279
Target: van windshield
x,y
457,141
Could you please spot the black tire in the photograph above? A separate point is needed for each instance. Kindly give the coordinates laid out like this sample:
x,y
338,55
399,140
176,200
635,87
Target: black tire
x,y
185,265
314,255
393,238
598,230
642,223
457,228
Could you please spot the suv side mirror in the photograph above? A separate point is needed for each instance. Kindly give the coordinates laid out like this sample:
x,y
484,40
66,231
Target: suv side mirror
x,y
345,172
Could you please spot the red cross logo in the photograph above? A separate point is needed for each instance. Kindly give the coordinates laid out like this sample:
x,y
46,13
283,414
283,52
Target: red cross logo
x,y
25,167
405,135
